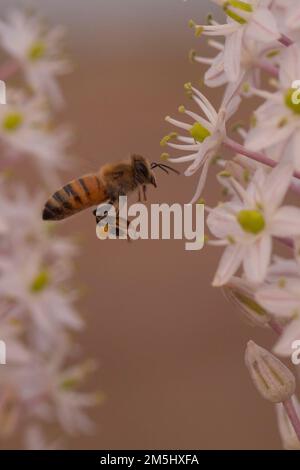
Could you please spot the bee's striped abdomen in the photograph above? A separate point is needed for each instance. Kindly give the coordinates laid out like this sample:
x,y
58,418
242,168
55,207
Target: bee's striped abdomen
x,y
75,196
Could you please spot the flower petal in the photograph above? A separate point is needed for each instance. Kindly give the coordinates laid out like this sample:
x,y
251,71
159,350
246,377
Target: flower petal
x,y
263,26
286,222
290,334
257,259
222,221
277,184
232,55
278,301
229,264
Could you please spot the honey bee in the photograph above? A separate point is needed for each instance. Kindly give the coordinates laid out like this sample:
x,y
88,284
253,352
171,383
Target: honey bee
x,y
110,182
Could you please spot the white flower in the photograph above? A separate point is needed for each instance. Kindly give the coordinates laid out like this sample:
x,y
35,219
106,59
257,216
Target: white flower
x,y
37,313
24,129
49,390
35,439
289,438
205,135
248,21
277,120
281,297
37,50
16,351
21,214
25,280
254,57
288,15
247,224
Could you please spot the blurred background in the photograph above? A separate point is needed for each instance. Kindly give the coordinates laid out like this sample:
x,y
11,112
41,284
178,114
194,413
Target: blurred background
x,y
170,348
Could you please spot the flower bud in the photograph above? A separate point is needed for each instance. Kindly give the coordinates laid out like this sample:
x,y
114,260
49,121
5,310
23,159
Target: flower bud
x,y
287,433
272,378
241,293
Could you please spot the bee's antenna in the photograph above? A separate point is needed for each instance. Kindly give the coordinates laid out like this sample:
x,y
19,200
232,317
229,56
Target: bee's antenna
x,y
164,167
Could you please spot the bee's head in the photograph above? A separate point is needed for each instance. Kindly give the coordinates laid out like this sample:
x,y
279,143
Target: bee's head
x,y
142,170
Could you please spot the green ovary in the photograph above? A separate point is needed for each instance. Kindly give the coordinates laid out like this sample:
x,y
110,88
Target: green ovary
x,y
290,102
12,122
40,282
199,132
36,51
69,384
251,221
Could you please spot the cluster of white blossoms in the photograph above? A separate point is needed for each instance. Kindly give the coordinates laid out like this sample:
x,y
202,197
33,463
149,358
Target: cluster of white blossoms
x,y
257,58
40,387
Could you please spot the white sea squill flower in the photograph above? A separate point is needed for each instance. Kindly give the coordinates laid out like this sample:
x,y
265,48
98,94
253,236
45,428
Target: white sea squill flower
x,y
25,280
288,15
248,20
21,211
24,129
247,224
49,390
254,57
16,351
289,437
35,439
282,299
283,268
37,312
205,135
37,50
277,120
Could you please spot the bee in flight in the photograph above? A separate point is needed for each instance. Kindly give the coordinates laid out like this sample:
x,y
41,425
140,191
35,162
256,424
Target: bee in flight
x,y
110,182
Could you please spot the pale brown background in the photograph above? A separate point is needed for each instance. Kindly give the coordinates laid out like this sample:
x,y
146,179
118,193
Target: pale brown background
x,y
170,348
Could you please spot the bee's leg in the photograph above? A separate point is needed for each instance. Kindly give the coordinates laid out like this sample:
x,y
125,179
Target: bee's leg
x,y
119,227
99,218
128,237
139,194
145,192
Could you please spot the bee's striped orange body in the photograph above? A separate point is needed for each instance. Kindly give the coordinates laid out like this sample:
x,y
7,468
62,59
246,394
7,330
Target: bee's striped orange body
x,y
74,197
111,181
